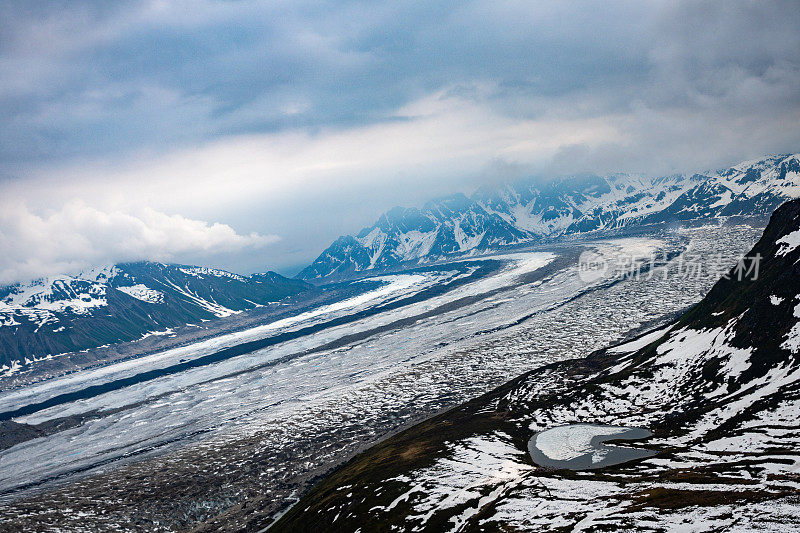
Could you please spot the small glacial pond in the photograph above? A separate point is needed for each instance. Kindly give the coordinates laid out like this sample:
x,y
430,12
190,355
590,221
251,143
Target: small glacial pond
x,y
582,446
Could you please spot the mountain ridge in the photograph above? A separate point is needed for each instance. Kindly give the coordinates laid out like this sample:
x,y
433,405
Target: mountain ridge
x,y
123,302
522,213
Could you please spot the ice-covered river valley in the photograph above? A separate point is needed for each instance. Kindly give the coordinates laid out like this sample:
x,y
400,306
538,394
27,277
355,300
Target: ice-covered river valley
x,y
171,440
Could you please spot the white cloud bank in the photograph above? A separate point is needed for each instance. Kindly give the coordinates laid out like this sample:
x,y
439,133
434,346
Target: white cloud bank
x,y
435,136
78,236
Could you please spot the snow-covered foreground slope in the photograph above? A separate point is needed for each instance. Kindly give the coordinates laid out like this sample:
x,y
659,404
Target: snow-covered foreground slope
x,y
186,448
51,316
719,389
520,213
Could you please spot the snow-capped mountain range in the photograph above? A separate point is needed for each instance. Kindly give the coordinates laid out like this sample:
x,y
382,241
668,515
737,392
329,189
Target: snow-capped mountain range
x,y
124,302
525,212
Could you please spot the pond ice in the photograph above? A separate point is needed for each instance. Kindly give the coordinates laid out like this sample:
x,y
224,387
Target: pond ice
x,y
570,442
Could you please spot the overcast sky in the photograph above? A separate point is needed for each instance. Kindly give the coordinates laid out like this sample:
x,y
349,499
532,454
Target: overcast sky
x,y
249,135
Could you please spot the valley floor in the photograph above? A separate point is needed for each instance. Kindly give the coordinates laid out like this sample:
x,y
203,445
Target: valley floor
x,y
231,444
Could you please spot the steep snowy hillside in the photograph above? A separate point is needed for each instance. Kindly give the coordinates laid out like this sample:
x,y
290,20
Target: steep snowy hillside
x,y
520,213
719,389
123,302
445,227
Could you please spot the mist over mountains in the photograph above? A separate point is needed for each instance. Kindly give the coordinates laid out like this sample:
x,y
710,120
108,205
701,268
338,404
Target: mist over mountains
x,y
524,213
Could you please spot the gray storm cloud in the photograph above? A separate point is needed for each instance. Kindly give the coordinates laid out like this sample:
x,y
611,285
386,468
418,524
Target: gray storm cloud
x,y
272,117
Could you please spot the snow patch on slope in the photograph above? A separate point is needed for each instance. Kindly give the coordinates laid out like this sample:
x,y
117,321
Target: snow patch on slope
x,y
788,243
143,293
204,271
415,244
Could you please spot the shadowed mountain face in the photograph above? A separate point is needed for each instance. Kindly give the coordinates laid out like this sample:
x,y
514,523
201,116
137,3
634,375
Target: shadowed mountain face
x,y
122,303
719,389
523,213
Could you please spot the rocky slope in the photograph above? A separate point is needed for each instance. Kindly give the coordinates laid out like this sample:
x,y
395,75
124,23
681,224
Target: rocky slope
x,y
121,303
523,212
719,389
